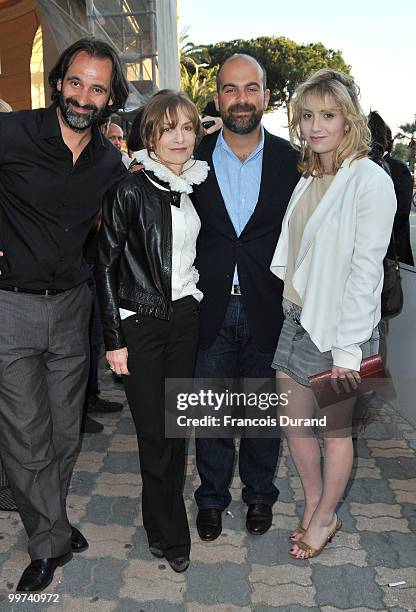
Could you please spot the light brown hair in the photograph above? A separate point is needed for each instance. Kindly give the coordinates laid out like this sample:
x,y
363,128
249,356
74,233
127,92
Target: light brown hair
x,y
163,105
345,92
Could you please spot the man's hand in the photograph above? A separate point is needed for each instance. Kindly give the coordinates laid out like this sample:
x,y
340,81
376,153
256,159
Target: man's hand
x,y
117,360
4,264
136,168
214,128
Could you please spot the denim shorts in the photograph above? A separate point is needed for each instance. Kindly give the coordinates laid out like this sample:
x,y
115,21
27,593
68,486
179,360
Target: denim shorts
x,y
298,356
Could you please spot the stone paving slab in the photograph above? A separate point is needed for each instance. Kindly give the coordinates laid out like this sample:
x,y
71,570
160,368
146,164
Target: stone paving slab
x,y
238,572
402,595
344,586
285,594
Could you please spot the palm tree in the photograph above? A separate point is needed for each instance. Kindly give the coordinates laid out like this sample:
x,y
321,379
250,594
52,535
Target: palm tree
x,y
408,133
201,85
198,80
190,56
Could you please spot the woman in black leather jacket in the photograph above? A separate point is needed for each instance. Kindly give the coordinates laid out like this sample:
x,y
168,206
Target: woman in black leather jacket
x,y
149,300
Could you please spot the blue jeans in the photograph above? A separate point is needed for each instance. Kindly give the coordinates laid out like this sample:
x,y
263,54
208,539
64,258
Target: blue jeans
x,y
234,355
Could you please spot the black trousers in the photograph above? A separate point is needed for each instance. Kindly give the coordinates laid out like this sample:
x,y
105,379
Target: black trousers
x,y
157,350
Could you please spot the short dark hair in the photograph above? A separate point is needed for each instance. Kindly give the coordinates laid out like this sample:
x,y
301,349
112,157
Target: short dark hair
x,y
378,130
119,87
134,142
166,102
389,139
241,56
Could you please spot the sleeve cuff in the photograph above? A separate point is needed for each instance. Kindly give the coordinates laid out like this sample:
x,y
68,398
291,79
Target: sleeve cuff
x,y
349,357
113,340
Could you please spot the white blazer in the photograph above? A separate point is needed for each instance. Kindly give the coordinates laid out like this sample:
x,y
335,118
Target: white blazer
x,y
339,269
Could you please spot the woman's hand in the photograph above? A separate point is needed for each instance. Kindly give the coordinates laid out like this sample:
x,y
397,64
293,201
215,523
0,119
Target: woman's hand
x,y
346,376
117,360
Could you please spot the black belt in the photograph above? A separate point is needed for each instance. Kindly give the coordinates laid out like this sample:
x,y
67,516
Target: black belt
x,y
33,291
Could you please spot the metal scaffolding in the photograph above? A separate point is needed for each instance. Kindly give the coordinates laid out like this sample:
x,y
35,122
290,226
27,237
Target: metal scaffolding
x,y
130,26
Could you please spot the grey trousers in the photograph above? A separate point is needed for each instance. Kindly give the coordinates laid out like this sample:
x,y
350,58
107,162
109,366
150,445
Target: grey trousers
x,y
44,364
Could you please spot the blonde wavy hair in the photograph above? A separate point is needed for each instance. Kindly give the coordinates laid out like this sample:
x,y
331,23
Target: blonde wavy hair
x,y
345,92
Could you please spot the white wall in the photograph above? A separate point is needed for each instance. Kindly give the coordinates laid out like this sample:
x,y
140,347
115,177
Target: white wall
x,y
167,44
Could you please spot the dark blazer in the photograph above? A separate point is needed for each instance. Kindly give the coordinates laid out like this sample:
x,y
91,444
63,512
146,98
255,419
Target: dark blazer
x,y
219,249
403,186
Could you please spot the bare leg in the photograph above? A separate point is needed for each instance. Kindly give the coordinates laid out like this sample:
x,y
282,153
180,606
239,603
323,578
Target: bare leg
x,y
304,448
337,470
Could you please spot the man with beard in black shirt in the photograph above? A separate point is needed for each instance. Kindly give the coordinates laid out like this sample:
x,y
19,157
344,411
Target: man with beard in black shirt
x,y
54,169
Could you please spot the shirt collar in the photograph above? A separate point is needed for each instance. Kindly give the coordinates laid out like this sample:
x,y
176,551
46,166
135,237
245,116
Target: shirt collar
x,y
194,172
98,138
50,128
223,144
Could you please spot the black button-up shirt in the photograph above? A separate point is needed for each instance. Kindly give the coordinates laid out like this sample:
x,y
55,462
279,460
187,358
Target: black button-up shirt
x,y
47,204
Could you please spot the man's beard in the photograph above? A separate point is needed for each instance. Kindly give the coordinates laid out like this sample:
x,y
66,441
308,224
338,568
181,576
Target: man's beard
x,y
80,121
242,125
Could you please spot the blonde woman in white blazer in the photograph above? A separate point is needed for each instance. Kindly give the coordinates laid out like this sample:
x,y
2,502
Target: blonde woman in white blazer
x,y
330,255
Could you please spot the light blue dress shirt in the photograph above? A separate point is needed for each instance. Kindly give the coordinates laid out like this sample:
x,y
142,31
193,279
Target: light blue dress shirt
x,y
239,183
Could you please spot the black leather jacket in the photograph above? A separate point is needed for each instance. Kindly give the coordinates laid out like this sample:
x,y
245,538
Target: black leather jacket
x,y
134,264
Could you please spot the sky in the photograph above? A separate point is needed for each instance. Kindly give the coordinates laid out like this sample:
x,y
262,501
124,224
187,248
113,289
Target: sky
x,y
377,39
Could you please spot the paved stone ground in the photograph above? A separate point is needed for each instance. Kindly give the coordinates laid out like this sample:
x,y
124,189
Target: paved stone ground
x,y
237,572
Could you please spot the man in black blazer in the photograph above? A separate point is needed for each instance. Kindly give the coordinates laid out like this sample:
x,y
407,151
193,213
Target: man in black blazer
x,y
241,206
403,186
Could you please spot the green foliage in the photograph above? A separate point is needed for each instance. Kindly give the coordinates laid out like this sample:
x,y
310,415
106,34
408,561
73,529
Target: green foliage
x,y
197,76
408,135
199,86
401,151
409,129
191,55
286,62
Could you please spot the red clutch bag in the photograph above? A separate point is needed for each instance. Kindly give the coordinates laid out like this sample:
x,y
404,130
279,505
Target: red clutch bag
x,y
329,390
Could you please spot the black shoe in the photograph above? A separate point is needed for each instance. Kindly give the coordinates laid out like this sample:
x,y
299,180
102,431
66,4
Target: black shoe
x,y
116,378
180,564
259,518
39,574
99,404
156,550
88,425
208,523
78,542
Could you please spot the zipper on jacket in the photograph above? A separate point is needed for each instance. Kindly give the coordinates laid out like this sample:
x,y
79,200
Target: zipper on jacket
x,y
167,252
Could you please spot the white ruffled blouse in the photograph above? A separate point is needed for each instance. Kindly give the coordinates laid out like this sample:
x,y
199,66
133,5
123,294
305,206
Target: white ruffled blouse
x,y
185,222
